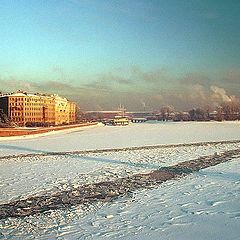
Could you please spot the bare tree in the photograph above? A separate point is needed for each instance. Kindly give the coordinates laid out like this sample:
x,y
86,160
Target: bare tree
x,y
166,111
231,109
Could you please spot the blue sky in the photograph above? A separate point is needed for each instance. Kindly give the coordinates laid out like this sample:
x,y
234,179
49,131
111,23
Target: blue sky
x,y
151,51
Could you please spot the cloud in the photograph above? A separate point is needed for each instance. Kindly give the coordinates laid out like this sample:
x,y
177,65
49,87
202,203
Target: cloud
x,y
197,91
196,78
135,88
156,76
111,79
11,84
50,87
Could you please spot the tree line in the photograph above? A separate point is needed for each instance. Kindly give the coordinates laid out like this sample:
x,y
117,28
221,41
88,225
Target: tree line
x,y
228,111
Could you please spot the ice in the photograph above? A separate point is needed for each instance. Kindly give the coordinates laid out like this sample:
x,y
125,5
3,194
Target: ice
x,y
101,137
209,210
203,205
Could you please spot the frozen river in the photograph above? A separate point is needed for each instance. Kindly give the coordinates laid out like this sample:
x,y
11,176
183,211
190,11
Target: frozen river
x,y
101,137
203,205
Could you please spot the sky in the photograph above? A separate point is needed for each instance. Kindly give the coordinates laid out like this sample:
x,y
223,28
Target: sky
x,y
140,53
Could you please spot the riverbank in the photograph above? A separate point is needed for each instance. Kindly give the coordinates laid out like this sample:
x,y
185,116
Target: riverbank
x,y
8,133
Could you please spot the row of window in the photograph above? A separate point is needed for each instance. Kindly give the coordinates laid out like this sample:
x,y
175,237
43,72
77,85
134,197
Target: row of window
x,y
29,114
31,100
16,113
17,119
21,119
39,109
32,109
12,104
27,104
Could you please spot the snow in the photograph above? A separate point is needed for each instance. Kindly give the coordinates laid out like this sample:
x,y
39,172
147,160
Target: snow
x,y
203,205
101,137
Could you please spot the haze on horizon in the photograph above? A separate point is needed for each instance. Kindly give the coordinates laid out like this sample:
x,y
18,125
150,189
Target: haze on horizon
x,y
141,53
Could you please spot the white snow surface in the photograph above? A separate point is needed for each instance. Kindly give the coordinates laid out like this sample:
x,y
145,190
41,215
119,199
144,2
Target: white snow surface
x,y
101,137
203,205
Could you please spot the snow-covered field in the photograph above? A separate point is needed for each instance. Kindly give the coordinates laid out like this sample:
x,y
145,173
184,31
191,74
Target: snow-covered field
x,y
203,205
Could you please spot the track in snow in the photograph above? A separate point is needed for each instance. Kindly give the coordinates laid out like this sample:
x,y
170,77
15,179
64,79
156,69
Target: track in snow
x,y
106,191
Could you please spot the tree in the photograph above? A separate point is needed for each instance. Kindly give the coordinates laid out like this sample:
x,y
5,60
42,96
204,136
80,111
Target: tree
x,y
192,114
197,114
200,114
231,109
166,111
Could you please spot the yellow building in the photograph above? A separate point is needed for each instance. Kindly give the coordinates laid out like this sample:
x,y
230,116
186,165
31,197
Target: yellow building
x,y
39,109
36,109
61,110
72,112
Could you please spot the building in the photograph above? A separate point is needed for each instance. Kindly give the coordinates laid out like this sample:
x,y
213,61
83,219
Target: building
x,y
72,112
61,110
65,111
37,109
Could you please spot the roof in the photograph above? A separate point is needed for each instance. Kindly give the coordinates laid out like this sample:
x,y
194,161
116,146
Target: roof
x,y
39,95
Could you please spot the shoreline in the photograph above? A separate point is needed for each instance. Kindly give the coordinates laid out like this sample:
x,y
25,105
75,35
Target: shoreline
x,y
23,133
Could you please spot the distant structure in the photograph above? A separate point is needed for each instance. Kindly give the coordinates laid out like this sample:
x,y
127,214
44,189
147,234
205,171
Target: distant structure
x,y
26,109
65,110
132,116
122,110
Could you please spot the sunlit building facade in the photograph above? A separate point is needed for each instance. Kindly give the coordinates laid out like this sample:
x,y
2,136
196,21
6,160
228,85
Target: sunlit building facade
x,y
25,109
72,112
61,110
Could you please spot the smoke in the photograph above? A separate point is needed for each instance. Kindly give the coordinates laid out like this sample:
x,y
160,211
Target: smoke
x,y
143,104
220,93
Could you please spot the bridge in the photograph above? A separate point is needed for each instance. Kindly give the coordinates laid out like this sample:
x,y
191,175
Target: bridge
x,y
138,120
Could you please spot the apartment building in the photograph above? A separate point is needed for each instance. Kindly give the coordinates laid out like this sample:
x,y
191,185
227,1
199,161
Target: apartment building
x,y
72,112
61,110
24,109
